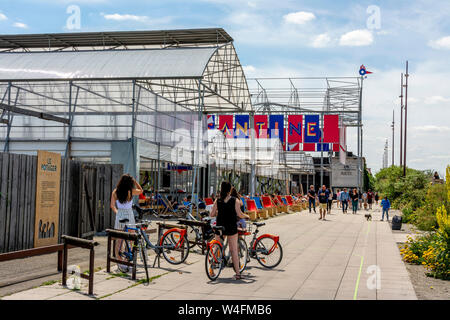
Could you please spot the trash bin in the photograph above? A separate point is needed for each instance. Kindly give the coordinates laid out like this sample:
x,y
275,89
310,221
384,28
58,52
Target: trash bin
x,y
396,223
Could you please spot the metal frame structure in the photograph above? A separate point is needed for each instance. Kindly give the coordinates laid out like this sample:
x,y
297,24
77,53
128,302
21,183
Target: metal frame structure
x,y
313,95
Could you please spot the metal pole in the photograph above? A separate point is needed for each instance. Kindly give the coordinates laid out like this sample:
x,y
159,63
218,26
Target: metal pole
x,y
393,136
6,147
401,121
406,114
360,134
321,151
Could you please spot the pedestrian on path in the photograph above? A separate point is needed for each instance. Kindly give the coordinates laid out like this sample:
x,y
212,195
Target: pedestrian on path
x,y
364,197
330,200
344,200
370,198
386,205
338,197
228,209
377,197
312,198
354,197
360,199
323,195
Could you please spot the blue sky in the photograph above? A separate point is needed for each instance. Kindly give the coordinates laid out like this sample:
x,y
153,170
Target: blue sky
x,y
304,38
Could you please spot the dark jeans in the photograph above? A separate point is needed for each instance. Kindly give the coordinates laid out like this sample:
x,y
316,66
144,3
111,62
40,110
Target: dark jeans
x,y
329,203
355,205
387,214
344,205
313,202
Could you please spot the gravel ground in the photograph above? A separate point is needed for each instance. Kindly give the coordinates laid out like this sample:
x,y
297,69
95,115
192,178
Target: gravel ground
x,y
427,288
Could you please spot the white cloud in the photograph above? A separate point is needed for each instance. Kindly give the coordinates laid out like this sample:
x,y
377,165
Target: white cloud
x,y
20,25
300,17
321,41
3,17
357,38
432,128
124,17
436,99
442,43
249,69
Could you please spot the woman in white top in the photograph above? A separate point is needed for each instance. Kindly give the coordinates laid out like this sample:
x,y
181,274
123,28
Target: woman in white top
x,y
122,200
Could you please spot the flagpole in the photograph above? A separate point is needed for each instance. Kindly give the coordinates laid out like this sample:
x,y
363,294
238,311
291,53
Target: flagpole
x,y
406,114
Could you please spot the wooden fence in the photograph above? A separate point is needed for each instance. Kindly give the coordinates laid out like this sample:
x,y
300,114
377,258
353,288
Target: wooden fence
x,y
84,199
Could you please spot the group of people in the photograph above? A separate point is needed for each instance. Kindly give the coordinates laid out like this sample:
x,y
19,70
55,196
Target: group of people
x,y
325,198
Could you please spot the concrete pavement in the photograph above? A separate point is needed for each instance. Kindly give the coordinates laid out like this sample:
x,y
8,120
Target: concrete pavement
x,y
345,257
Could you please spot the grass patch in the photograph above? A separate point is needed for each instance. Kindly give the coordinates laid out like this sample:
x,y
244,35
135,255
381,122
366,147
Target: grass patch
x,y
49,283
138,282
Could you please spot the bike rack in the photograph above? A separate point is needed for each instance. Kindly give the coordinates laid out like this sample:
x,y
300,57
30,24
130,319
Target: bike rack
x,y
163,226
80,243
201,224
116,234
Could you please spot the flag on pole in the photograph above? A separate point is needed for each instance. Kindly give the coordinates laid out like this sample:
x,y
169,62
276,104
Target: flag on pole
x,y
276,126
331,128
342,144
241,126
211,121
312,129
226,125
260,124
294,132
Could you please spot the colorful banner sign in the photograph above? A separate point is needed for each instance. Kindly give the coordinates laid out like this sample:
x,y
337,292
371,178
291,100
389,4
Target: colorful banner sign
x,y
312,129
276,128
261,124
331,128
242,124
294,133
226,125
211,121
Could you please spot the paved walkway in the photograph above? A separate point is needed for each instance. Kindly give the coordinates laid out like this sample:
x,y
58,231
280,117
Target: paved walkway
x,y
345,257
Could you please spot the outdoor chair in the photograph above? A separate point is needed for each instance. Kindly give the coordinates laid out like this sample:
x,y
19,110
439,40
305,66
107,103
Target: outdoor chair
x,y
253,211
267,204
295,207
259,205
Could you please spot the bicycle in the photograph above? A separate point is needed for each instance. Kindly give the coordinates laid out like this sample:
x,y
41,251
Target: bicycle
x,y
173,244
264,248
216,259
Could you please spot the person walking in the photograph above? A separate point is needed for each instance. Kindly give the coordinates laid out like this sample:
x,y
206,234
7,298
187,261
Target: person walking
x,y
312,198
370,198
386,205
338,197
355,199
330,200
323,195
364,197
377,197
360,199
228,210
344,196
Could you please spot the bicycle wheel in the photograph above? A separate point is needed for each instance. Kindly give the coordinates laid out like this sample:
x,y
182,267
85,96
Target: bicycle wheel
x,y
124,254
175,250
242,254
213,261
268,253
193,234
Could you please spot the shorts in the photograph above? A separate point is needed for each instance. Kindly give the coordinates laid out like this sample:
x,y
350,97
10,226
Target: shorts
x,y
323,206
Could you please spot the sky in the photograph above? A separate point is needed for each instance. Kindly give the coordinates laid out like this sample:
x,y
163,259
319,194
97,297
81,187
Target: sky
x,y
301,39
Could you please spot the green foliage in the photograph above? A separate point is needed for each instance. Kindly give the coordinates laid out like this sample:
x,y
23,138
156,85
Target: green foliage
x,y
406,193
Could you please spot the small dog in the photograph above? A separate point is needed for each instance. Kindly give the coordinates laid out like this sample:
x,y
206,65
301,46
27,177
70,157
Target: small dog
x,y
368,216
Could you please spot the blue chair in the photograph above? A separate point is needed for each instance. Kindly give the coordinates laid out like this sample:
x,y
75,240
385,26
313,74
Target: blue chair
x,y
243,201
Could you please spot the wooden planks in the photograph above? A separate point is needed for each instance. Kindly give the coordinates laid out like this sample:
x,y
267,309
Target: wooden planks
x,y
18,199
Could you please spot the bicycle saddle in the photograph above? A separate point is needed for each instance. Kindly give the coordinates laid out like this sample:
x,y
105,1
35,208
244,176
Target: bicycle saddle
x,y
259,224
218,228
124,221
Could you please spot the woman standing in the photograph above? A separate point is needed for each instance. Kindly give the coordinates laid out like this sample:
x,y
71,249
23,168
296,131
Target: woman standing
x,y
227,209
355,198
122,203
122,199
